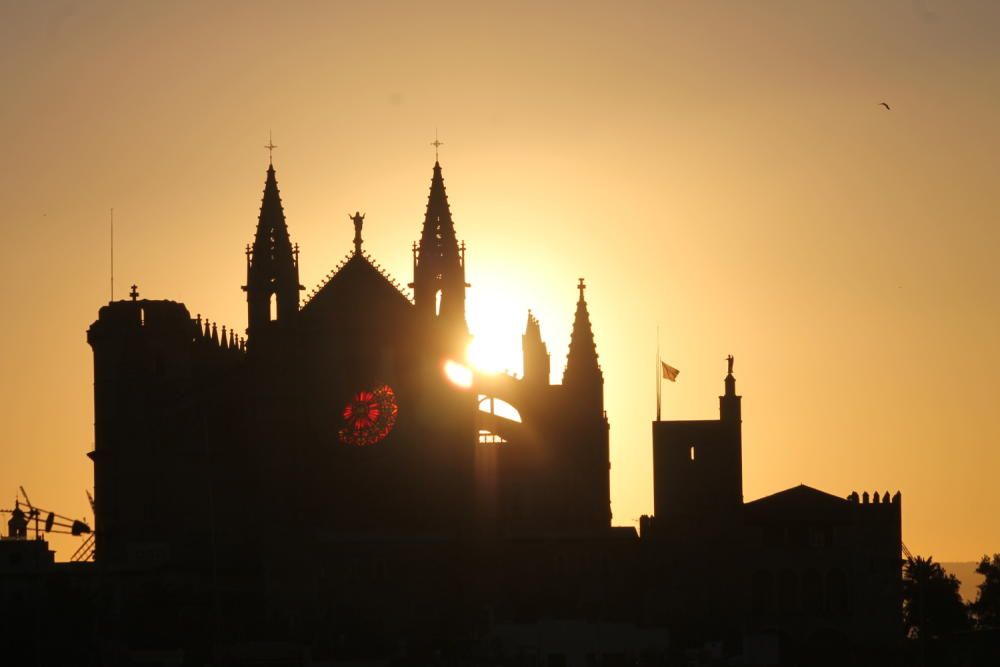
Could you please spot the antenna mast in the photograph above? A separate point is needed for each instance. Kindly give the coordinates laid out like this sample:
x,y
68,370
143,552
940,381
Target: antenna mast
x,y
112,254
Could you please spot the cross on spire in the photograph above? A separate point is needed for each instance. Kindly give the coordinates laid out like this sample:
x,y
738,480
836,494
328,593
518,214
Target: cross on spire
x,y
270,148
436,144
581,286
134,293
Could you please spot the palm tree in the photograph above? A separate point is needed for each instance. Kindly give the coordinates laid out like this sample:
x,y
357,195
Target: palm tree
x,y
932,605
986,608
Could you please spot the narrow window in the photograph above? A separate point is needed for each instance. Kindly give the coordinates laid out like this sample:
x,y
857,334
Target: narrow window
x,y
437,303
272,307
691,452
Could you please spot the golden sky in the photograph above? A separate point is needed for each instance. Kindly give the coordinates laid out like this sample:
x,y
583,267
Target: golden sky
x,y
722,170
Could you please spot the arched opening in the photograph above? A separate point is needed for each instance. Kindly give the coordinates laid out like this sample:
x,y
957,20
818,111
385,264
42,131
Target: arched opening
x,y
499,407
272,308
437,302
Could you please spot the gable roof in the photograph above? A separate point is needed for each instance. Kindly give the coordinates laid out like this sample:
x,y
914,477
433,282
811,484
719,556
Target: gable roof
x,y
798,502
357,285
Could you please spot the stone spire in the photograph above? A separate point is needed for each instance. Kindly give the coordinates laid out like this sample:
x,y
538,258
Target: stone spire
x,y
536,354
582,367
272,231
439,265
272,263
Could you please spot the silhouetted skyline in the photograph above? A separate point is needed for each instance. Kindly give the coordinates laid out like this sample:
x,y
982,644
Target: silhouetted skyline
x,y
723,172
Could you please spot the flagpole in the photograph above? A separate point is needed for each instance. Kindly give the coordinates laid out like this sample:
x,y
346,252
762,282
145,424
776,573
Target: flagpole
x,y
659,374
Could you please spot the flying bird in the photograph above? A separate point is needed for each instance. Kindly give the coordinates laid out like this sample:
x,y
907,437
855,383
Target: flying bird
x,y
886,105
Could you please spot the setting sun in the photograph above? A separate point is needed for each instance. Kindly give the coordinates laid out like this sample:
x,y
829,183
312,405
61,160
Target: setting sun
x,y
493,352
779,213
497,312
565,332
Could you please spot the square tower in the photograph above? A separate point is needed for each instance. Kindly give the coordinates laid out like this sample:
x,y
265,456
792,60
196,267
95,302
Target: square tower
x,y
698,465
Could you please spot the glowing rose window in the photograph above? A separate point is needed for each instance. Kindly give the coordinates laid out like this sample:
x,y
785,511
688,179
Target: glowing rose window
x,y
369,417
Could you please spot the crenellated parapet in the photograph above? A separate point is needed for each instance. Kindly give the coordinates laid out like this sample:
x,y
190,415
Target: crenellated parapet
x,y
875,499
877,508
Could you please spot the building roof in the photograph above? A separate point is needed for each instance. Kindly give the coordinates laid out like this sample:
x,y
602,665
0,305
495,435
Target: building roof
x,y
798,502
356,286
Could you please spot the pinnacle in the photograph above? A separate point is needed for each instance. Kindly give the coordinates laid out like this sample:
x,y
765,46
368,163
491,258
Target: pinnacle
x,y
581,362
437,238
532,327
271,239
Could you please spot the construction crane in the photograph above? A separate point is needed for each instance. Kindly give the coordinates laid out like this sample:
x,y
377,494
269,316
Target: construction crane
x,y
53,522
86,550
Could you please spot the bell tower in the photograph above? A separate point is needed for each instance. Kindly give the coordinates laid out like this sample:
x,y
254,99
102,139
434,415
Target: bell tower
x,y
698,464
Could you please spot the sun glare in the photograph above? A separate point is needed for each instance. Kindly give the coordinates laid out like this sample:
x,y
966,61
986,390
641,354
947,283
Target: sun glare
x,y
458,374
492,353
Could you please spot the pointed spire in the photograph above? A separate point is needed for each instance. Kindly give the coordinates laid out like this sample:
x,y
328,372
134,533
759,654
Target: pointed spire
x,y
439,267
438,244
536,354
532,330
272,262
272,231
581,362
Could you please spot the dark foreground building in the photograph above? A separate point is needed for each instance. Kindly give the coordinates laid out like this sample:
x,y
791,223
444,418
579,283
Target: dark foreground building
x,y
800,576
339,486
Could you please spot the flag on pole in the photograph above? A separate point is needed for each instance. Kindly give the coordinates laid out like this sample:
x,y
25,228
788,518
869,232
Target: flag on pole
x,y
669,372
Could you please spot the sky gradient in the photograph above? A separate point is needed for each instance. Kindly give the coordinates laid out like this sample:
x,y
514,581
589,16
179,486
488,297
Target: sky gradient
x,y
722,171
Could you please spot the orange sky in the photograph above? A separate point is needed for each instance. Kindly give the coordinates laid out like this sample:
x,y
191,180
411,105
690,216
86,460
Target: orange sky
x,y
722,170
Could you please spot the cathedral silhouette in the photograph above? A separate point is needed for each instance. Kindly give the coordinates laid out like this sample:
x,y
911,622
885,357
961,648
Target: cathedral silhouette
x,y
339,485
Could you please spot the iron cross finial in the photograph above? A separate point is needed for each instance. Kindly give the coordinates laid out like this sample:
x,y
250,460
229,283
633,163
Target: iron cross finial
x,y
270,148
437,143
134,293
